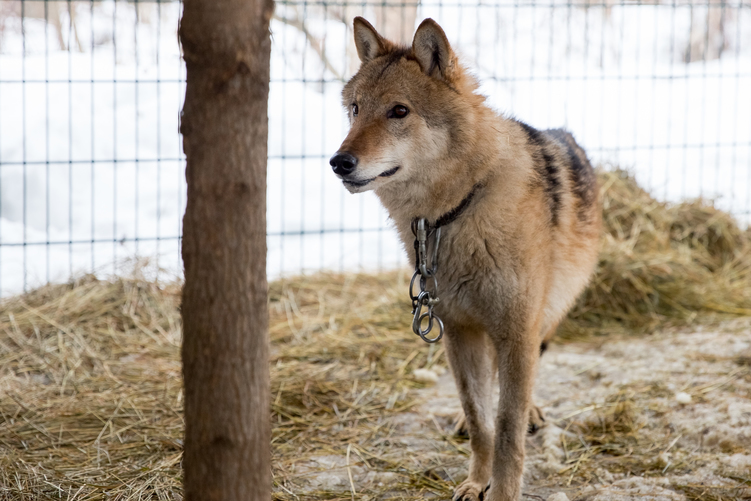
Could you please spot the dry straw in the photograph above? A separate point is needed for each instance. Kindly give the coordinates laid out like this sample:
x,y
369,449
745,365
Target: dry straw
x,y
662,263
90,386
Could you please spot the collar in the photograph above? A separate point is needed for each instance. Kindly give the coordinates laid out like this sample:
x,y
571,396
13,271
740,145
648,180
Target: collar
x,y
452,215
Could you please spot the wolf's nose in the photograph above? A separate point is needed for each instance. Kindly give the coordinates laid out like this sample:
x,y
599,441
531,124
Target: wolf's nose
x,y
343,163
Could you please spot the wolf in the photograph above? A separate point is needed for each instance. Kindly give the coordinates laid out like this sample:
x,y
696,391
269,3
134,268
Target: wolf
x,y
520,219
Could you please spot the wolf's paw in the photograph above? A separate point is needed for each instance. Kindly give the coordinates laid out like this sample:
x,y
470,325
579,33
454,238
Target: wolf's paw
x,y
470,491
460,425
536,420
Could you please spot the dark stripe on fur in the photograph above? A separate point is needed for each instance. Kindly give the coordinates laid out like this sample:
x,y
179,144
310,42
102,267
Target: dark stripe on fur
x,y
583,179
543,347
548,169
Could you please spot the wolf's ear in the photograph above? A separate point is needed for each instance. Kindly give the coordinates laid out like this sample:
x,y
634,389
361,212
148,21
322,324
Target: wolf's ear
x,y
432,50
367,40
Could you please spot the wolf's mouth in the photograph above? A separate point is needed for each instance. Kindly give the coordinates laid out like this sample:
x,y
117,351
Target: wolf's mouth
x,y
363,182
357,183
389,172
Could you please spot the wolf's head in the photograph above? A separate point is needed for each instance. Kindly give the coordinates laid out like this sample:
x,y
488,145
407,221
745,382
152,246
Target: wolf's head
x,y
406,106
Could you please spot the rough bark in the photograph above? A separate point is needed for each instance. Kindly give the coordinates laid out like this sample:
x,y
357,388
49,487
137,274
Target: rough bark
x,y
226,45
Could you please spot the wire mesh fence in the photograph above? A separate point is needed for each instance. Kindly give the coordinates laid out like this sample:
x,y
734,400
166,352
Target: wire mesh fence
x,y
91,164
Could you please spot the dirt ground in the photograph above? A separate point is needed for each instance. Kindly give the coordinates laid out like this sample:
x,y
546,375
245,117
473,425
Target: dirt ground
x,y
659,417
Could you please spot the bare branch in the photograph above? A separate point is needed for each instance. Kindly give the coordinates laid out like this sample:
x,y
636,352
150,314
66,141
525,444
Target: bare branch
x,y
315,43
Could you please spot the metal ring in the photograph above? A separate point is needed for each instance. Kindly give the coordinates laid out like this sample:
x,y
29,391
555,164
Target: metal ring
x,y
417,319
417,324
412,284
435,250
424,298
423,333
424,282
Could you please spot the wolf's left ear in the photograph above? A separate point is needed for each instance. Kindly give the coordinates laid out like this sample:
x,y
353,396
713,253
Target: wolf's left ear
x,y
432,50
368,42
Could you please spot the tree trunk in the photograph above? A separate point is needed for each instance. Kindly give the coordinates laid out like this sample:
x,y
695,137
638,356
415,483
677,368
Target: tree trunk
x,y
397,22
226,46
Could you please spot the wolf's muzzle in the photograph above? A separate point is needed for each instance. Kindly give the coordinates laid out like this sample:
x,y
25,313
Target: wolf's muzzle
x,y
343,163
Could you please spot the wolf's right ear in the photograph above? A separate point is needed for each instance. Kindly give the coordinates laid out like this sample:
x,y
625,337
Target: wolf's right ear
x,y
432,50
367,40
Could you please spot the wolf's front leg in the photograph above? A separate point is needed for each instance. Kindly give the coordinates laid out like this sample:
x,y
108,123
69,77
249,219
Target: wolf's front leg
x,y
470,356
518,352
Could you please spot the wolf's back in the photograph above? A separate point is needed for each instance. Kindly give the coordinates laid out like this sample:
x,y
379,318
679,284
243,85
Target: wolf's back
x,y
582,175
565,171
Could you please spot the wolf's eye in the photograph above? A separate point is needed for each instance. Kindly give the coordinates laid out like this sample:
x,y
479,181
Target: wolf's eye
x,y
354,110
398,111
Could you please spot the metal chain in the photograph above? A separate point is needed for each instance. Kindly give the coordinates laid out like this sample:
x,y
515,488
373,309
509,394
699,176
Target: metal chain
x,y
425,298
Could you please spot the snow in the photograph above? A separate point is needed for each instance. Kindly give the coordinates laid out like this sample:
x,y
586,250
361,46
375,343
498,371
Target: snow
x,y
682,397
425,376
96,166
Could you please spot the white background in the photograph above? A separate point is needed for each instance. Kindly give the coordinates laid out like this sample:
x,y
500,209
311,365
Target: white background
x,y
617,76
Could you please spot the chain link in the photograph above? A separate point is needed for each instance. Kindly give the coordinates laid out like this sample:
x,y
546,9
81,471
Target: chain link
x,y
425,299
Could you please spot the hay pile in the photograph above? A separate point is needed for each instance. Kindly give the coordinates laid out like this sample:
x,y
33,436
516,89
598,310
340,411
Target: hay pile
x,y
90,392
662,264
91,397
90,387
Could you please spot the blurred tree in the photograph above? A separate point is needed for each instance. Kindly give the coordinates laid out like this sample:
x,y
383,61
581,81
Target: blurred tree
x,y
396,22
226,45
47,11
708,31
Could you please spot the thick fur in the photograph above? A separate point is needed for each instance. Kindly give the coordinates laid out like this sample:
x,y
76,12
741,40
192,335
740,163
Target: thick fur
x,y
516,259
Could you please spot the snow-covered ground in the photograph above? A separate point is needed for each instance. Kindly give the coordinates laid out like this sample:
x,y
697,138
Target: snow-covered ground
x,y
91,160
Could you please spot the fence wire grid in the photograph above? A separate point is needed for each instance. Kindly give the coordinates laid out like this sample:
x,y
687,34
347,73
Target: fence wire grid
x,y
91,162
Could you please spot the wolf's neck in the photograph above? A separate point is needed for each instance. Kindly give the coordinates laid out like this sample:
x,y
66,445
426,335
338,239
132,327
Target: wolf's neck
x,y
441,186
429,198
